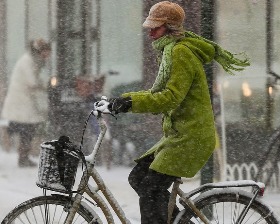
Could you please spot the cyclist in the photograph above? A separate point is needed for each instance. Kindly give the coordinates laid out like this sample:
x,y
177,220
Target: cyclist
x,y
180,93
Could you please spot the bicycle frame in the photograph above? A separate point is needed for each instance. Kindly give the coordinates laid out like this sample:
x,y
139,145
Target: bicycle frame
x,y
85,187
92,192
184,198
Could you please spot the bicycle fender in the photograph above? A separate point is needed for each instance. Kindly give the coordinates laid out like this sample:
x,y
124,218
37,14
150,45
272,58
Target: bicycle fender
x,y
179,216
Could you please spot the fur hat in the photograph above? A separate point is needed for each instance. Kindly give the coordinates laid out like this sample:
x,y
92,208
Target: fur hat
x,y
165,12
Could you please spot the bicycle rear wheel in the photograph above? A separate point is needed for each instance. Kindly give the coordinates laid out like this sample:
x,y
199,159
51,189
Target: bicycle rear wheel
x,y
46,209
224,206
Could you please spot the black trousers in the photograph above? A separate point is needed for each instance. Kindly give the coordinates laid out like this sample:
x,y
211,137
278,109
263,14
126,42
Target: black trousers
x,y
26,133
152,189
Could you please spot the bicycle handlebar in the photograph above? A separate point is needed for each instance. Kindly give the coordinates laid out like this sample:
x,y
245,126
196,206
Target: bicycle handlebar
x,y
101,107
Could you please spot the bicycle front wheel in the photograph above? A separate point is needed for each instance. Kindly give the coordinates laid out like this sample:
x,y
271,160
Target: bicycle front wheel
x,y
47,209
224,206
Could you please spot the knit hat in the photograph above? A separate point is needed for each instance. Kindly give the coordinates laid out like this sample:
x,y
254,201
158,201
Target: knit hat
x,y
165,12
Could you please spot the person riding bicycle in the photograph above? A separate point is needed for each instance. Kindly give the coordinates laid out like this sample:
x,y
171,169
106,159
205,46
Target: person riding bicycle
x,y
180,93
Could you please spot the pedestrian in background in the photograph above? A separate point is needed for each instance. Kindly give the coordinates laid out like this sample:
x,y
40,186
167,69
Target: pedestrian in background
x,y
25,104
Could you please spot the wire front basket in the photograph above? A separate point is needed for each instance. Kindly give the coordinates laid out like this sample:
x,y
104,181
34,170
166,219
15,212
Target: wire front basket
x,y
57,167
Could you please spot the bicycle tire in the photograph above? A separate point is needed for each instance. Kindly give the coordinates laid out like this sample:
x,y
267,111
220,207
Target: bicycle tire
x,y
268,171
225,206
46,209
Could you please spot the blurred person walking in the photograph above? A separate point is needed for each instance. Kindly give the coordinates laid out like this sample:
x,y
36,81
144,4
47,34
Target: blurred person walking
x,y
25,104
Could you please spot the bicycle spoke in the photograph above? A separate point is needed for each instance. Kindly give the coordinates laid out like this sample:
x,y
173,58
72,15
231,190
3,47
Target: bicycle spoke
x,y
42,214
20,220
249,216
26,216
235,214
34,216
54,214
216,214
47,214
74,221
60,218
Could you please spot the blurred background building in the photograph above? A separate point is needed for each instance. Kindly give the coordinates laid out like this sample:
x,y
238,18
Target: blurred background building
x,y
99,47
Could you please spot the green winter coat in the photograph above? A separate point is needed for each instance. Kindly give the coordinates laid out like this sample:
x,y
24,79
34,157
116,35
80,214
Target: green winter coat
x,y
188,122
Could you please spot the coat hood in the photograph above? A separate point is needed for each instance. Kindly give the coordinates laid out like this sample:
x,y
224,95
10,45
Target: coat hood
x,y
205,52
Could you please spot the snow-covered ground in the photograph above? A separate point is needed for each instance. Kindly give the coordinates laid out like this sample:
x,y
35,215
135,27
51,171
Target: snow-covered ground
x,y
18,185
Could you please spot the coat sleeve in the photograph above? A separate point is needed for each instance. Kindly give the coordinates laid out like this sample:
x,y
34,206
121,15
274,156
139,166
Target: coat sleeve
x,y
27,71
181,77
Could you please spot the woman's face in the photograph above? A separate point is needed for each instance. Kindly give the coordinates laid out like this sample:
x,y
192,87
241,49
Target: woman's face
x,y
157,32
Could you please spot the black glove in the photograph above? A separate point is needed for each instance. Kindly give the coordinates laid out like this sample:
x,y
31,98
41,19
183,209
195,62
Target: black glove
x,y
120,104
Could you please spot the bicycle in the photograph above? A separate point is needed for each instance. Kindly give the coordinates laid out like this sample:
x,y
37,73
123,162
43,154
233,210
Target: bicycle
x,y
224,202
268,167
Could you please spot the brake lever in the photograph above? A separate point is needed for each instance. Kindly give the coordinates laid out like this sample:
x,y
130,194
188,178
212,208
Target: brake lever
x,y
103,108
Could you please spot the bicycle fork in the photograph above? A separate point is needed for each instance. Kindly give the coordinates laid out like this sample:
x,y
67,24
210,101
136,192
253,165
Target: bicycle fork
x,y
77,200
74,208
